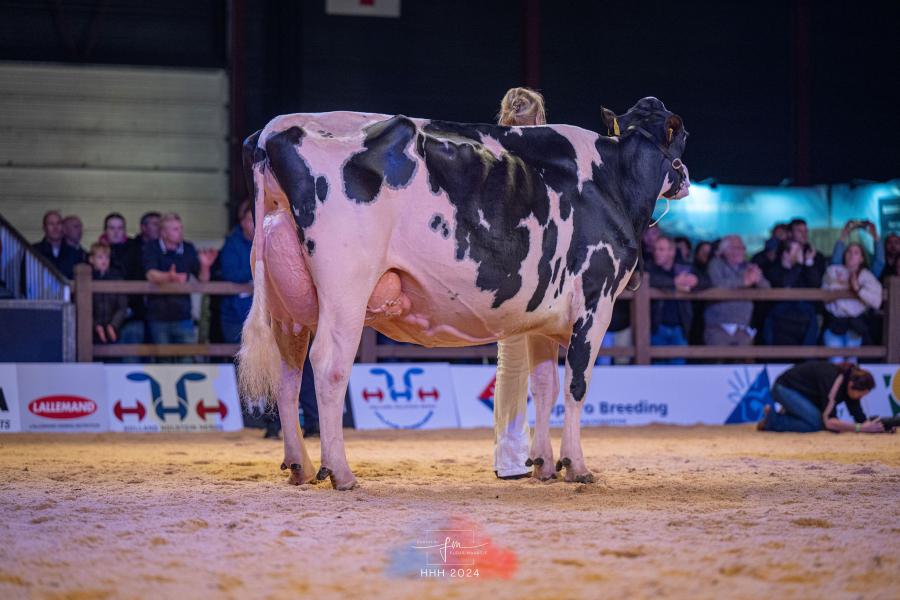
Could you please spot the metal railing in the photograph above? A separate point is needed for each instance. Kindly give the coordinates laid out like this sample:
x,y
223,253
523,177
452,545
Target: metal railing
x,y
370,351
26,273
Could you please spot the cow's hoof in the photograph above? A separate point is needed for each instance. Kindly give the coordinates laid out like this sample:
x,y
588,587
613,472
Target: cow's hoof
x,y
537,462
563,462
586,478
296,476
323,474
343,486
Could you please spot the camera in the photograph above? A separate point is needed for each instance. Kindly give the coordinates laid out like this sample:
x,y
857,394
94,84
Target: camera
x,y
890,423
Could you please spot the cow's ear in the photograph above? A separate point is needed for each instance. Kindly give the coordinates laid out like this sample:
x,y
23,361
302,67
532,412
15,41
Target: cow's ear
x,y
673,126
610,120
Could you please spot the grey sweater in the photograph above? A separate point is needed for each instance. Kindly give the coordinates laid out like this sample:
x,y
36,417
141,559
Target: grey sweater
x,y
723,275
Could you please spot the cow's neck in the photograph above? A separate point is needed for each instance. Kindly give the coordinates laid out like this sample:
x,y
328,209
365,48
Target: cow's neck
x,y
641,169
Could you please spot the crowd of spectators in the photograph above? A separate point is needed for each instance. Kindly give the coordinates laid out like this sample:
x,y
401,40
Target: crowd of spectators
x,y
159,253
788,260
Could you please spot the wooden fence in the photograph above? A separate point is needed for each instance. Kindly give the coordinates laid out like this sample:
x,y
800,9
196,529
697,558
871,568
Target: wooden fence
x,y
370,351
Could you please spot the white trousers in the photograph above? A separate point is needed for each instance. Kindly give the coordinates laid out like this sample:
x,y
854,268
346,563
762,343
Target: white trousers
x,y
512,436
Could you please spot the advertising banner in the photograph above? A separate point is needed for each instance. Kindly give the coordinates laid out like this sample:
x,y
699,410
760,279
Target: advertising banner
x,y
9,399
62,397
403,396
169,398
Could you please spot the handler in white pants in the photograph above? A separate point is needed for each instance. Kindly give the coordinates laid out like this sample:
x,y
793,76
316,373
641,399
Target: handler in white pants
x,y
512,436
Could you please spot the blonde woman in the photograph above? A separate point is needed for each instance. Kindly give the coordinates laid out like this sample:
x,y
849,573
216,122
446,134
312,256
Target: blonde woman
x,y
520,106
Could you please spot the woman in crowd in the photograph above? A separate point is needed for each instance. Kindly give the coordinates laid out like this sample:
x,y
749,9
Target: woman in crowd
x,y
810,393
520,106
846,325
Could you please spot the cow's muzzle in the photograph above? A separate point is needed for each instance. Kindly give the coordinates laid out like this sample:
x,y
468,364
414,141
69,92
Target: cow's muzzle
x,y
681,186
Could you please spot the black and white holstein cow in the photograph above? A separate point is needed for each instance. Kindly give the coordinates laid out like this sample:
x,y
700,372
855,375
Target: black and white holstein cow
x,y
444,234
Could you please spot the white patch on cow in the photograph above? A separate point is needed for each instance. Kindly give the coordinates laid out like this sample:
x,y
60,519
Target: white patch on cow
x,y
492,145
666,185
481,220
516,130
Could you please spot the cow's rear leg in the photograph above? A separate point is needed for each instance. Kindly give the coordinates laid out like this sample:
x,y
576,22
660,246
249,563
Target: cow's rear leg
x,y
333,350
543,358
296,457
584,346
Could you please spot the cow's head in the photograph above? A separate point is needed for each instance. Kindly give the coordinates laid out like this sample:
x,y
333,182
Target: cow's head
x,y
650,120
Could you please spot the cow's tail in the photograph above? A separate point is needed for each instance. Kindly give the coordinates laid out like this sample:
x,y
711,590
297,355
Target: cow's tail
x,y
259,361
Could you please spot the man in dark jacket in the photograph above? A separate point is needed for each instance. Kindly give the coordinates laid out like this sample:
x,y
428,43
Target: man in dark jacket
x,y
792,322
53,246
670,320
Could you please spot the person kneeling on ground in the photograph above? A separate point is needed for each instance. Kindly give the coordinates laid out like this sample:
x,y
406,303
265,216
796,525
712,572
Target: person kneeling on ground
x,y
810,393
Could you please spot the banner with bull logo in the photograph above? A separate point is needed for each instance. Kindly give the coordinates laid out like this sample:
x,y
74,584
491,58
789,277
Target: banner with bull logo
x,y
62,397
9,399
173,398
403,396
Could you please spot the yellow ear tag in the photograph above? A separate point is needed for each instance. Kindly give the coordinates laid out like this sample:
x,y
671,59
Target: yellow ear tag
x,y
616,127
670,134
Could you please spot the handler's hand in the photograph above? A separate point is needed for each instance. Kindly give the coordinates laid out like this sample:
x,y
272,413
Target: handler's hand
x,y
873,425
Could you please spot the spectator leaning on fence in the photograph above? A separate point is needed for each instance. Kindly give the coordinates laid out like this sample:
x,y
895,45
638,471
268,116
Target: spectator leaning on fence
x,y
670,320
171,260
846,323
54,247
109,310
792,322
728,323
234,259
73,229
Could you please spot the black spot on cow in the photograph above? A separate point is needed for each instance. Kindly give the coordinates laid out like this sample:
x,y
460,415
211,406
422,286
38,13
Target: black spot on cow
x,y
438,223
556,270
321,188
251,154
598,279
293,174
548,249
562,281
493,196
311,247
384,160
579,355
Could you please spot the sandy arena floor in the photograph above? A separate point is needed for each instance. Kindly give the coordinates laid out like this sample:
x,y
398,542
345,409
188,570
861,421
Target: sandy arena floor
x,y
705,512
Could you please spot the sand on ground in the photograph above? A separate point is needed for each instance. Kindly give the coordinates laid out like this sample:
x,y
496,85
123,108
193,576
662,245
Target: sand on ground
x,y
680,512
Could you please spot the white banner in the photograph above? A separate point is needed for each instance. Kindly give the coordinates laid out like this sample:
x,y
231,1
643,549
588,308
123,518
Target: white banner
x,y
9,399
681,395
192,398
62,397
403,396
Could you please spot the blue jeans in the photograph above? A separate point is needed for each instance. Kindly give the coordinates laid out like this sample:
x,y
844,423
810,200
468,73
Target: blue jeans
x,y
800,414
851,339
132,332
668,335
173,332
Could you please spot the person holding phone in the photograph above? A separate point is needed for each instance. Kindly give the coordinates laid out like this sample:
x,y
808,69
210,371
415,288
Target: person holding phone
x,y
878,245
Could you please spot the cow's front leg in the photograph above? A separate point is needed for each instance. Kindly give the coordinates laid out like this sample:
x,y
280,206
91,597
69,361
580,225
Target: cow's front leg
x,y
543,358
333,350
584,346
